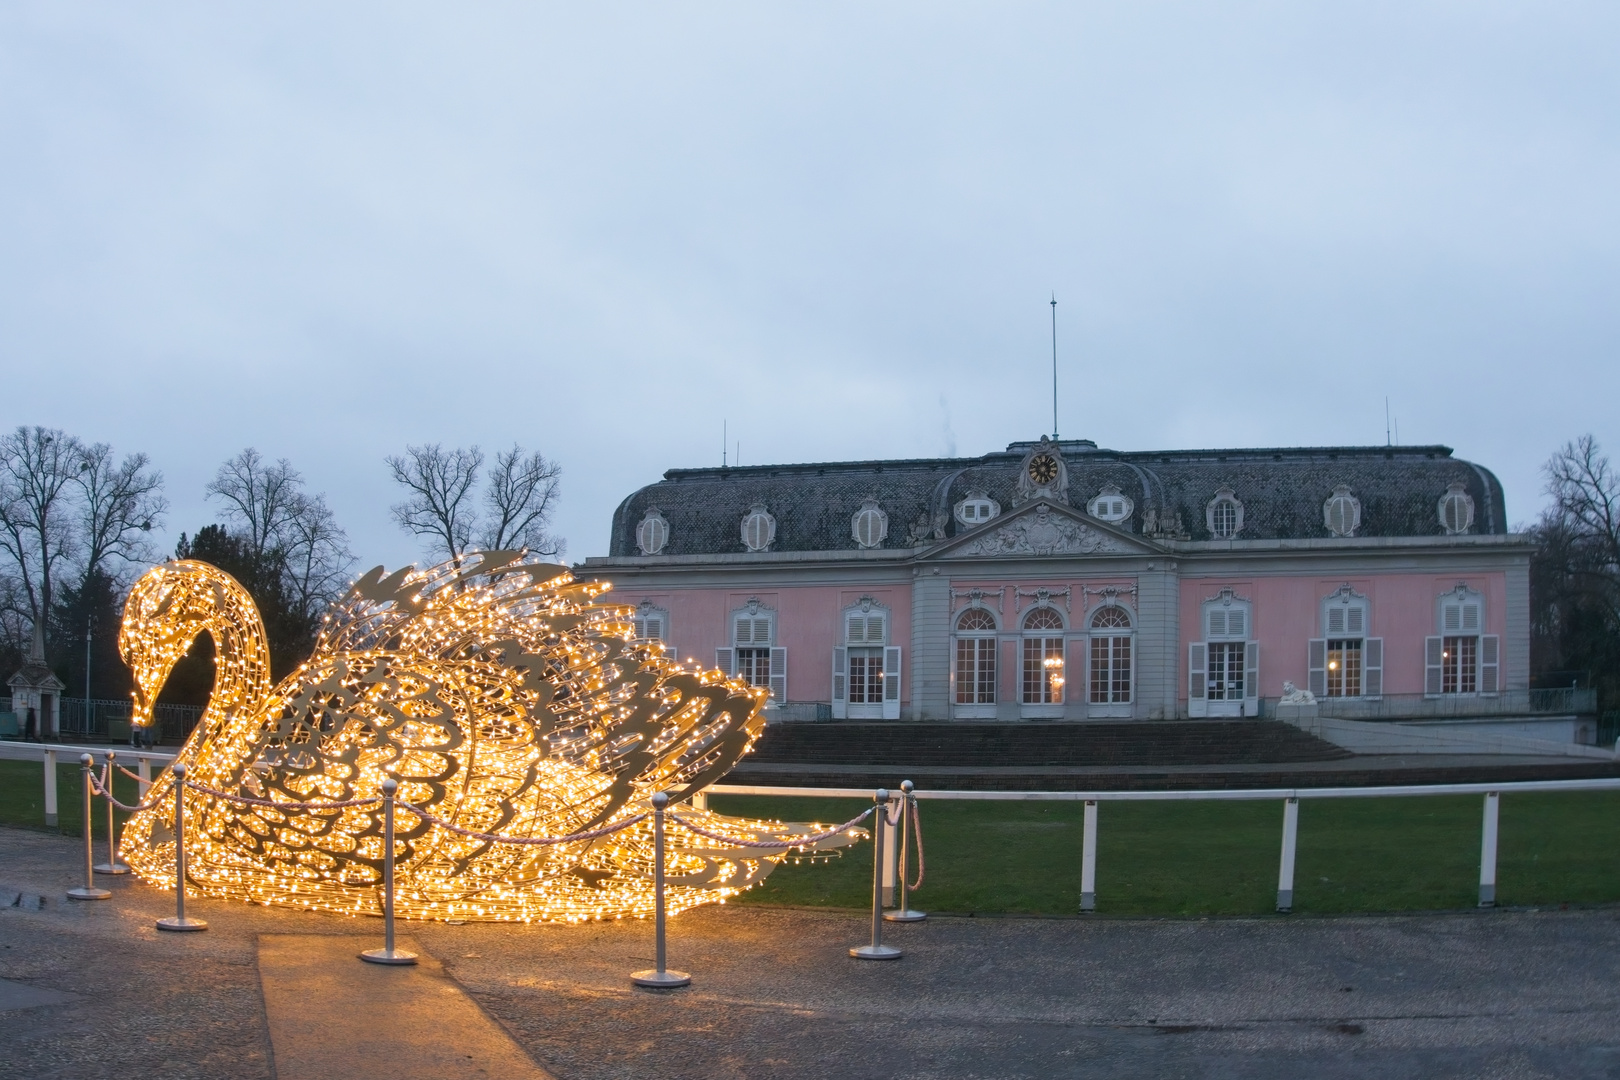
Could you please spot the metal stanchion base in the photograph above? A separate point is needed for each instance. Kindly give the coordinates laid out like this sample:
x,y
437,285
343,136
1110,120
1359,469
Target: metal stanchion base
x,y
907,915
388,956
110,868
876,952
182,925
87,893
661,980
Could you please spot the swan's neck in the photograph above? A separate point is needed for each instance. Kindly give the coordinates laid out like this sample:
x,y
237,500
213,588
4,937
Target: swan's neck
x,y
241,657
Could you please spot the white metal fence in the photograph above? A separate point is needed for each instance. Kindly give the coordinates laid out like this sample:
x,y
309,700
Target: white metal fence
x,y
51,754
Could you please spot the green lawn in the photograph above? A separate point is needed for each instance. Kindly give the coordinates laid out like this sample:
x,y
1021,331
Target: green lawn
x,y
22,797
1220,858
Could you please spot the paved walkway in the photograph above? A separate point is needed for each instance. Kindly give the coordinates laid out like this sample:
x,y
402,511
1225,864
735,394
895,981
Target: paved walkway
x,y
92,990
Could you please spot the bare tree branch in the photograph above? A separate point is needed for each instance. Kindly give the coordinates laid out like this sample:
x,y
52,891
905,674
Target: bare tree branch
x,y
438,482
120,504
317,558
37,467
260,499
521,498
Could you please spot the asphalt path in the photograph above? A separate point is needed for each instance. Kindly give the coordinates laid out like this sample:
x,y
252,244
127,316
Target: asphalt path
x,y
94,990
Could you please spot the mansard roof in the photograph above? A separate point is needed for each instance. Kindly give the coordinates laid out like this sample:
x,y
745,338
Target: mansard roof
x,y
1282,491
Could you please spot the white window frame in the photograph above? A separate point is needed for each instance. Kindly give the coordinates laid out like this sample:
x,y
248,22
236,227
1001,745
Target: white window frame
x,y
768,670
1224,496
1460,615
871,512
1112,634
975,709
983,508
652,519
645,613
1456,495
1350,512
878,647
758,513
1224,632
1111,505
1345,616
1054,680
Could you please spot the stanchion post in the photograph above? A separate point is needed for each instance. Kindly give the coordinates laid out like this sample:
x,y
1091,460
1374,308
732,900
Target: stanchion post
x,y
1285,868
1487,851
388,954
902,911
89,891
1088,858
877,950
50,788
180,923
112,865
659,978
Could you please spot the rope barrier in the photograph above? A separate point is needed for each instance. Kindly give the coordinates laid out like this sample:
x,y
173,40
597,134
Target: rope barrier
x,y
782,845
916,828
106,793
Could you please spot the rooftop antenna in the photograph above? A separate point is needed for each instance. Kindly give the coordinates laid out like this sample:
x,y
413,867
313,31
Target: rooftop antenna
x,y
724,442
1387,441
1054,368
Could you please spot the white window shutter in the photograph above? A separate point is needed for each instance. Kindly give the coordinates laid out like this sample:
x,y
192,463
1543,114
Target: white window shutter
x,y
1251,678
1235,624
874,630
1197,678
669,653
1372,667
1356,620
1470,617
1433,657
723,660
1335,620
779,674
855,630
891,683
1217,624
1490,661
839,707
1316,678
1451,618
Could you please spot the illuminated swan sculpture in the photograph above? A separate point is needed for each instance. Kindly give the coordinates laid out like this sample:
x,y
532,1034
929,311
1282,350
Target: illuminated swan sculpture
x,y
502,700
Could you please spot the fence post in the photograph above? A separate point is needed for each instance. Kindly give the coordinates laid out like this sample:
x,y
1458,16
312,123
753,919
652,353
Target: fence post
x,y
50,787
699,801
1285,872
1088,858
180,922
1487,852
388,954
89,891
877,950
112,865
659,978
145,770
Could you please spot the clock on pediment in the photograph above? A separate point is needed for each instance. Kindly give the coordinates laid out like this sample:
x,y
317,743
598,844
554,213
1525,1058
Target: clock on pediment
x,y
1043,474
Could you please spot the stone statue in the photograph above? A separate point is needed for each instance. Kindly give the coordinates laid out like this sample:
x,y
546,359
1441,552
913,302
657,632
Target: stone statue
x,y
1293,695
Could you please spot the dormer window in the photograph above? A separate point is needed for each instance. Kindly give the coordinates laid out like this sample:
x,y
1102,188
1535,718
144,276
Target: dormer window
x,y
870,525
1456,510
758,528
1110,505
653,532
1224,514
1342,512
976,509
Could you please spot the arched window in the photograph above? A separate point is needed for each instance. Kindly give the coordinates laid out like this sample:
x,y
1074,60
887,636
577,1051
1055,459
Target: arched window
x,y
1043,657
1224,514
758,528
870,525
1456,509
1342,512
976,658
1110,505
653,532
1111,656
977,508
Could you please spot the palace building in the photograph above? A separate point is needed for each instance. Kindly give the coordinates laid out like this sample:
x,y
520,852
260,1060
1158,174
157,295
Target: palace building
x,y
1059,580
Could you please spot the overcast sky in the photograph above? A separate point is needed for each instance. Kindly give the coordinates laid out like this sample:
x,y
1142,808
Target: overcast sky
x,y
601,231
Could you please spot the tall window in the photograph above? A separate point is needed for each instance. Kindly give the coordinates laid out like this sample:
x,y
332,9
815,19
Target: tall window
x,y
1344,667
866,670
1223,670
1226,670
1111,656
976,658
752,638
1345,662
1043,657
1461,658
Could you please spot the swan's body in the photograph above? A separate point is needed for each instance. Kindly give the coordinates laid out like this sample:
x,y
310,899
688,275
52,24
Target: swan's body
x,y
502,700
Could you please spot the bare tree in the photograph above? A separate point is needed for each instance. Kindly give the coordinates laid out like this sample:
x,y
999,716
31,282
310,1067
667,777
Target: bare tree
x,y
437,482
261,500
317,558
520,500
120,503
1585,520
37,469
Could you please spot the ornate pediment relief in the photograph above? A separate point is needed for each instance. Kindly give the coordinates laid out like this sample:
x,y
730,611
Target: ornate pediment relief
x,y
1045,531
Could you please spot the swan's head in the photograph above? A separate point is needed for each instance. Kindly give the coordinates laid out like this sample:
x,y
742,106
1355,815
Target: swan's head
x,y
167,609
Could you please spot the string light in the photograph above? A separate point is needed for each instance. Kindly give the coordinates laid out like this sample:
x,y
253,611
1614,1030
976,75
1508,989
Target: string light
x,y
499,695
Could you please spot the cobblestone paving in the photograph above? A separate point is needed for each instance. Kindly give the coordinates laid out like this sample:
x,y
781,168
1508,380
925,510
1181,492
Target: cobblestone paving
x,y
1489,994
